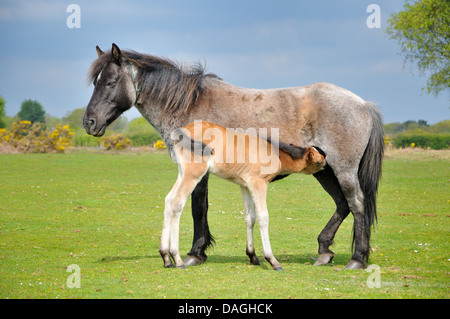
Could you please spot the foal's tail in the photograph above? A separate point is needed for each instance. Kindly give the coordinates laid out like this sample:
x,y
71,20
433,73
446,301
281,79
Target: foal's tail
x,y
181,136
369,172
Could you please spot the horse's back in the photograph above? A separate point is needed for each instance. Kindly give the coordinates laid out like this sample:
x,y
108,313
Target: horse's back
x,y
321,114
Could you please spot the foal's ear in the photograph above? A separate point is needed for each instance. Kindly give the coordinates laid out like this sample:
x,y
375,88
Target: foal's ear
x,y
117,55
310,155
99,51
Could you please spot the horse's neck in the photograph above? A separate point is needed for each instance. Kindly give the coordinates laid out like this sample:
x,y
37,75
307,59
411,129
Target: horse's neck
x,y
201,110
219,102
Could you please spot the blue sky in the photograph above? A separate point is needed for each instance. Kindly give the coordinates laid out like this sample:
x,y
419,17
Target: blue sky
x,y
257,44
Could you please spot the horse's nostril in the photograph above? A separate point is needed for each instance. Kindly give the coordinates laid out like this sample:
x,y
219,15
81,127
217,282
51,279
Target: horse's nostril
x,y
92,123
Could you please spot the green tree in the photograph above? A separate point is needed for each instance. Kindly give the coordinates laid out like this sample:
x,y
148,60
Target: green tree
x,y
2,112
423,32
75,119
32,110
52,121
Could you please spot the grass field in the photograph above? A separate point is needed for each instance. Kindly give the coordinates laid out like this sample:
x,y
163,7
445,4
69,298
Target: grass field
x,y
104,212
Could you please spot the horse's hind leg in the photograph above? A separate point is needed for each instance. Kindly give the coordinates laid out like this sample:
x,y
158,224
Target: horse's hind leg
x,y
330,183
361,233
250,218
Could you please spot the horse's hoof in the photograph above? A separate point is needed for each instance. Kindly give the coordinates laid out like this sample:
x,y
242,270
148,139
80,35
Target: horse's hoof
x,y
324,259
192,261
255,261
181,267
354,264
279,269
169,266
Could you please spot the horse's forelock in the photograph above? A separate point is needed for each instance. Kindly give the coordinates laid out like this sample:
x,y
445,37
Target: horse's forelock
x,y
98,65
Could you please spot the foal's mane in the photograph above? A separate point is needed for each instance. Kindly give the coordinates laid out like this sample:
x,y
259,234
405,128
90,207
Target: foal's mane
x,y
295,152
172,85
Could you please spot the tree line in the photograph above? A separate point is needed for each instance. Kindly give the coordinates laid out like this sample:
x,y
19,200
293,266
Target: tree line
x,y
141,133
137,130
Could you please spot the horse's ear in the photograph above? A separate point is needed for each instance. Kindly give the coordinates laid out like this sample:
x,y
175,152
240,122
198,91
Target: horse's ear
x,y
99,51
117,55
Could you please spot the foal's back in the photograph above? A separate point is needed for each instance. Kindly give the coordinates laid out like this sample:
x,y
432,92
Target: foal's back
x,y
242,158
231,155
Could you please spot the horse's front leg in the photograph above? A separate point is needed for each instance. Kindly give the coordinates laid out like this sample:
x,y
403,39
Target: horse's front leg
x,y
202,237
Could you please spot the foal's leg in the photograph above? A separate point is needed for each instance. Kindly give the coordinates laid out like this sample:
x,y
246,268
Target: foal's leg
x,y
250,218
330,183
165,236
177,202
259,193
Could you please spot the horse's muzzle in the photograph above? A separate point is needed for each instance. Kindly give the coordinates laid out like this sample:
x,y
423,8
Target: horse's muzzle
x,y
90,125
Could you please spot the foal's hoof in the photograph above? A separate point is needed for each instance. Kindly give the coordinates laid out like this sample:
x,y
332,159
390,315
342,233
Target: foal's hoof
x,y
279,269
192,261
354,264
324,259
181,267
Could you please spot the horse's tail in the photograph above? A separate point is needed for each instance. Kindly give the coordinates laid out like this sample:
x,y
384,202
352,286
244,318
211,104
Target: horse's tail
x,y
181,136
369,172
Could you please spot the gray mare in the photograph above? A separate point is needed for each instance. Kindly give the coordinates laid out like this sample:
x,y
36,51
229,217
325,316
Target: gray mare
x,y
348,129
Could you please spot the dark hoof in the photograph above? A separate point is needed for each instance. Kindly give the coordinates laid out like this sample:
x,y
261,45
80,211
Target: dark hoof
x,y
279,269
255,261
192,261
181,267
169,266
324,259
354,264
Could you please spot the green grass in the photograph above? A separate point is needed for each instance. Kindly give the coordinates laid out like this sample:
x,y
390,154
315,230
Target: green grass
x,y
104,212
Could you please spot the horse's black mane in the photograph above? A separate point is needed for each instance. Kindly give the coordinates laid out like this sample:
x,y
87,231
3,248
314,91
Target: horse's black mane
x,y
172,85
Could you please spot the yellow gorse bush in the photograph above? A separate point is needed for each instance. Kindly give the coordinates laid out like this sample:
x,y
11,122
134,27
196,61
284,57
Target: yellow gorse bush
x,y
61,138
115,141
32,138
160,145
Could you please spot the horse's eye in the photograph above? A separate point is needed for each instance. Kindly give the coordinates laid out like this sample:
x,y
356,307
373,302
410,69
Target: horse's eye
x,y
111,83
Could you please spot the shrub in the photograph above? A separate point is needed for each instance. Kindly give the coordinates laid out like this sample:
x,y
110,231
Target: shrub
x,y
115,141
32,138
144,139
160,145
424,140
81,139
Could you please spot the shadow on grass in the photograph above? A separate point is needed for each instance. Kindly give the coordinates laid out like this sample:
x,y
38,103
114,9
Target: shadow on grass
x,y
108,259
338,261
